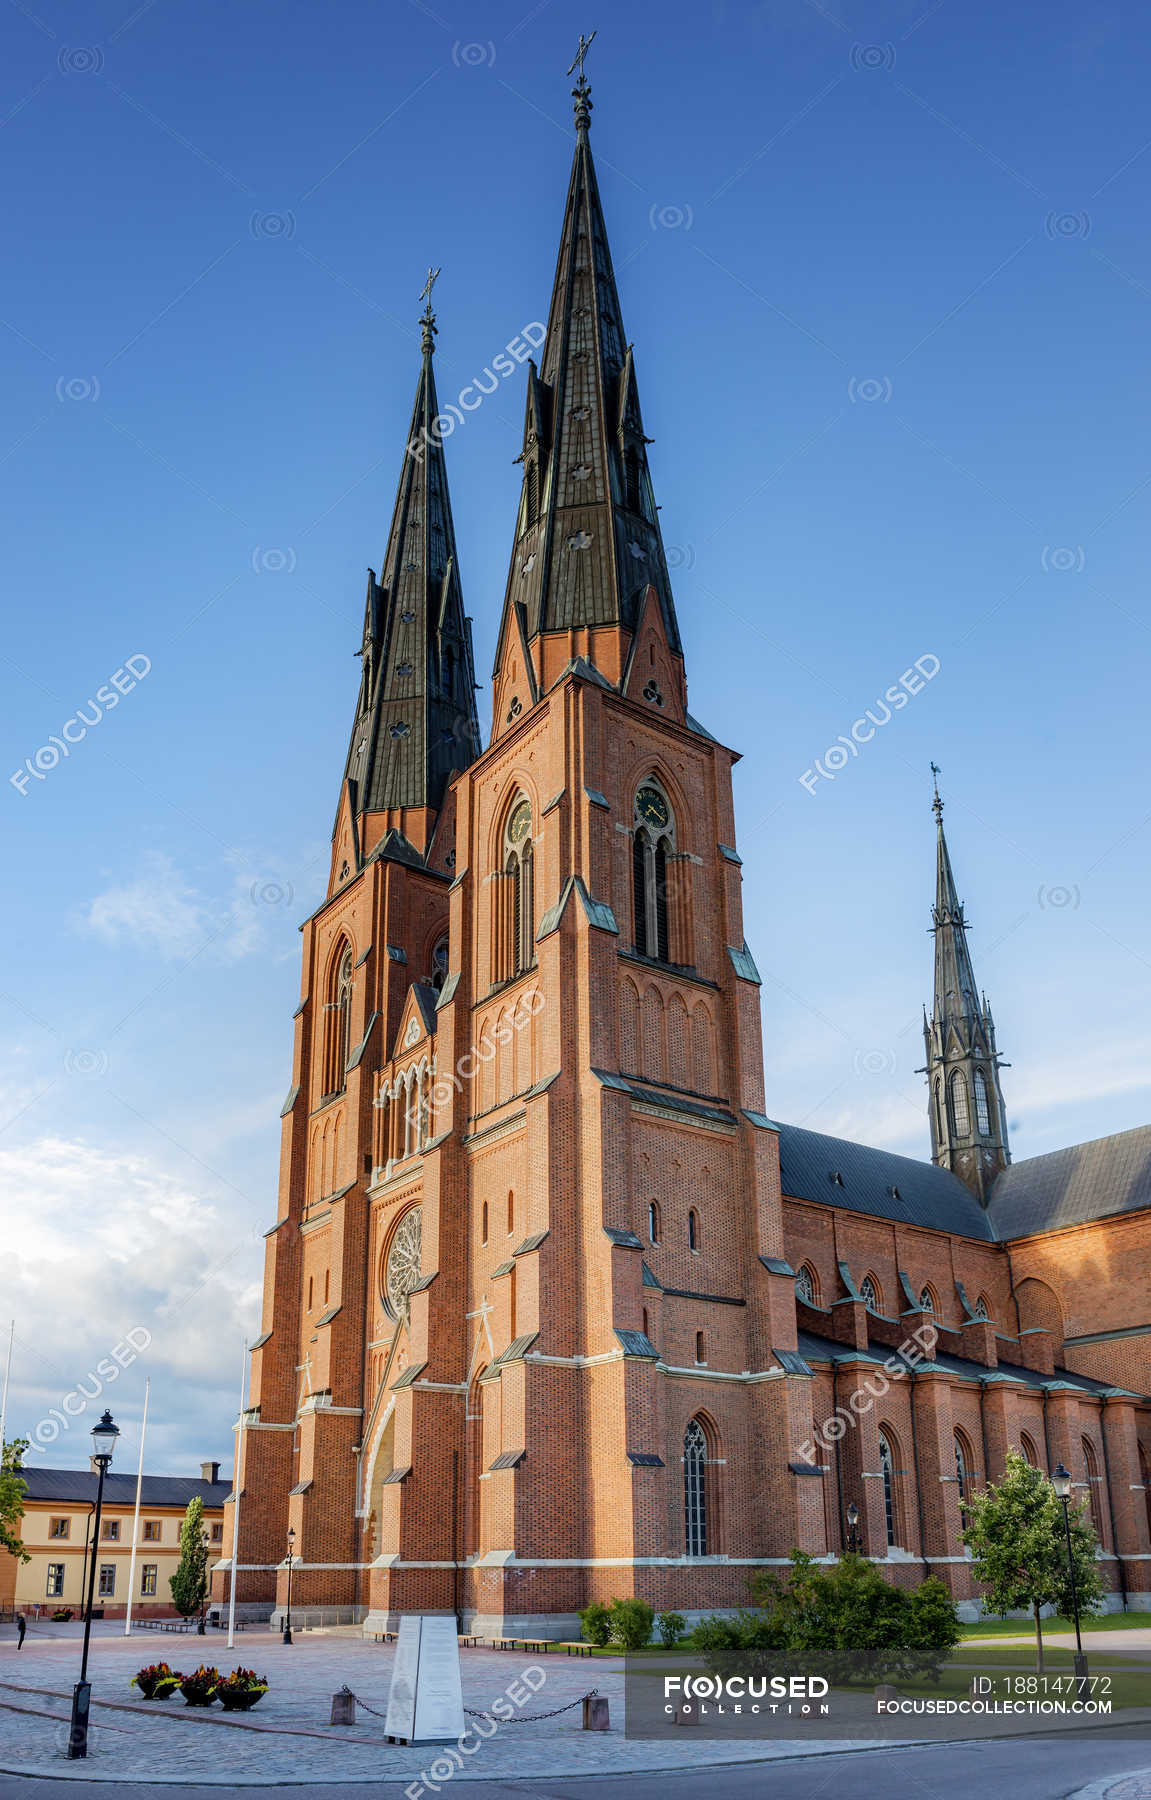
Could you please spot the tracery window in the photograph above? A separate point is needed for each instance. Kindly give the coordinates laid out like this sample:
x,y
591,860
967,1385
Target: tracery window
x,y
962,1466
927,1300
960,1112
805,1285
1094,1490
653,844
695,1489
869,1293
515,933
337,1023
982,1104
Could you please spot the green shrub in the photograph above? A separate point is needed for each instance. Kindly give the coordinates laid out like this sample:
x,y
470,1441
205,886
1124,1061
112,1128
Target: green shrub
x,y
843,1621
595,1624
631,1623
671,1627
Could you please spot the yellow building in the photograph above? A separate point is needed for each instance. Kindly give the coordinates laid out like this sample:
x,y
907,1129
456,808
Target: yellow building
x,y
59,1508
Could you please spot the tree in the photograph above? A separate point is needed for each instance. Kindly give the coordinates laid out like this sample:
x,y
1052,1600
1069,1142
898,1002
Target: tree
x,y
1016,1535
189,1584
12,1492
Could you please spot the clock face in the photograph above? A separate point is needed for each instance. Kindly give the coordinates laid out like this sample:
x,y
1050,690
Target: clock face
x,y
651,805
520,823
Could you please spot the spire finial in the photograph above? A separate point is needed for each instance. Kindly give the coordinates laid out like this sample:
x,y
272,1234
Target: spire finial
x,y
428,317
581,93
937,803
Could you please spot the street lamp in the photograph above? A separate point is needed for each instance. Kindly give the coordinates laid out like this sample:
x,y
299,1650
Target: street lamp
x,y
104,1437
1061,1482
852,1529
288,1611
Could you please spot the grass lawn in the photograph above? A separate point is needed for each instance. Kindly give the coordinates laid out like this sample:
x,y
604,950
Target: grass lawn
x,y
996,1627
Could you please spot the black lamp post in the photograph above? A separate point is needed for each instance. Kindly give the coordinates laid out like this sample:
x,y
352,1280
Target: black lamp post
x,y
288,1610
1061,1482
104,1437
852,1529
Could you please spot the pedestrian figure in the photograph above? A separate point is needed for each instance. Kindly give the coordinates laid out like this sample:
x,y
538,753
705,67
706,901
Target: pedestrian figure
x,y
21,1628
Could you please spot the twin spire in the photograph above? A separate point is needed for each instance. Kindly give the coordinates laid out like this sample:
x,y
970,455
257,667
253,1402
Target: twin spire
x,y
415,724
587,562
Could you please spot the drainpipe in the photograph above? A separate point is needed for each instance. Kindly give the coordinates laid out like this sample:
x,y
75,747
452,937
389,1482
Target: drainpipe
x,y
1111,1508
983,1432
918,1483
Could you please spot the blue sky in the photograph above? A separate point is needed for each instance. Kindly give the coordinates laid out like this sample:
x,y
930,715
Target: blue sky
x,y
887,273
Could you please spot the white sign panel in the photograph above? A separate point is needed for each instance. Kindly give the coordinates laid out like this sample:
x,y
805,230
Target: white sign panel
x,y
425,1701
439,1696
401,1719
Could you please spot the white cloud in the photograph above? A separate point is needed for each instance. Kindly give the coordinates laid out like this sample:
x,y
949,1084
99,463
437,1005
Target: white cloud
x,y
158,910
161,912
101,1244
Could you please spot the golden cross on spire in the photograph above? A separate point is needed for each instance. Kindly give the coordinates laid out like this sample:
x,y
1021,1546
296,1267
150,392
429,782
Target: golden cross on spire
x,y
585,45
429,284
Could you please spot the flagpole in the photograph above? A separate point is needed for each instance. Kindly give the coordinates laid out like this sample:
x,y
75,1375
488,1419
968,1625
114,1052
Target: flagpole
x,y
237,1476
136,1515
7,1374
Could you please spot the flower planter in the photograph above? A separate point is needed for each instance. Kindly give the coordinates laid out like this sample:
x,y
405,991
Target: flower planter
x,y
242,1700
156,1682
201,1687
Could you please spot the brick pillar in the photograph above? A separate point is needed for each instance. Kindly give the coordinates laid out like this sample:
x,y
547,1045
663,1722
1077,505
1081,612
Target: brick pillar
x,y
1128,1496
935,1437
857,1422
1000,1427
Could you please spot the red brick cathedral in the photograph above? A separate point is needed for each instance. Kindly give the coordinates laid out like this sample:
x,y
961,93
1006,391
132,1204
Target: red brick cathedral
x,y
554,1311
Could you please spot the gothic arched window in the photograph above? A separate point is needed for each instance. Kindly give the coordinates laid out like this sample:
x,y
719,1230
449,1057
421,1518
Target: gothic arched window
x,y
869,1293
652,846
693,1229
337,1016
439,972
962,1465
805,1285
695,1489
515,913
887,1470
960,1113
982,1104
982,1310
1028,1450
653,1221
927,1300
1091,1467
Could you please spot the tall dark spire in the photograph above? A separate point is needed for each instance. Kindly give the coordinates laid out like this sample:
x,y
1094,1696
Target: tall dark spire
x,y
415,722
968,1120
587,551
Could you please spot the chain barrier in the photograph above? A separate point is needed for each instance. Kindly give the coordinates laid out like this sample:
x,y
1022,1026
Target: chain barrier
x,y
533,1718
474,1712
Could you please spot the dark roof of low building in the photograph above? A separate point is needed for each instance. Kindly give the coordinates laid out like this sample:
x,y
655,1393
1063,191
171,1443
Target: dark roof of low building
x,y
836,1172
1073,1186
120,1490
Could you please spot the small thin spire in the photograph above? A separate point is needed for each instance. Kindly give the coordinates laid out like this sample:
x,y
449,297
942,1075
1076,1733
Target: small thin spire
x,y
428,317
937,803
581,93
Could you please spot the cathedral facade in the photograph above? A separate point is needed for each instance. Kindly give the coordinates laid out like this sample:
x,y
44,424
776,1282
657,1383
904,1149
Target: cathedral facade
x,y
554,1310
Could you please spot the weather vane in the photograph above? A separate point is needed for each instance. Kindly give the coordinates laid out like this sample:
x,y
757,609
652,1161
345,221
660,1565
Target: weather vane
x,y
585,45
429,284
937,804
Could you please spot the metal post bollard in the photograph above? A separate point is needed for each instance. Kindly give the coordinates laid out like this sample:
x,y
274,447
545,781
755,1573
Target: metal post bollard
x,y
343,1707
596,1713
